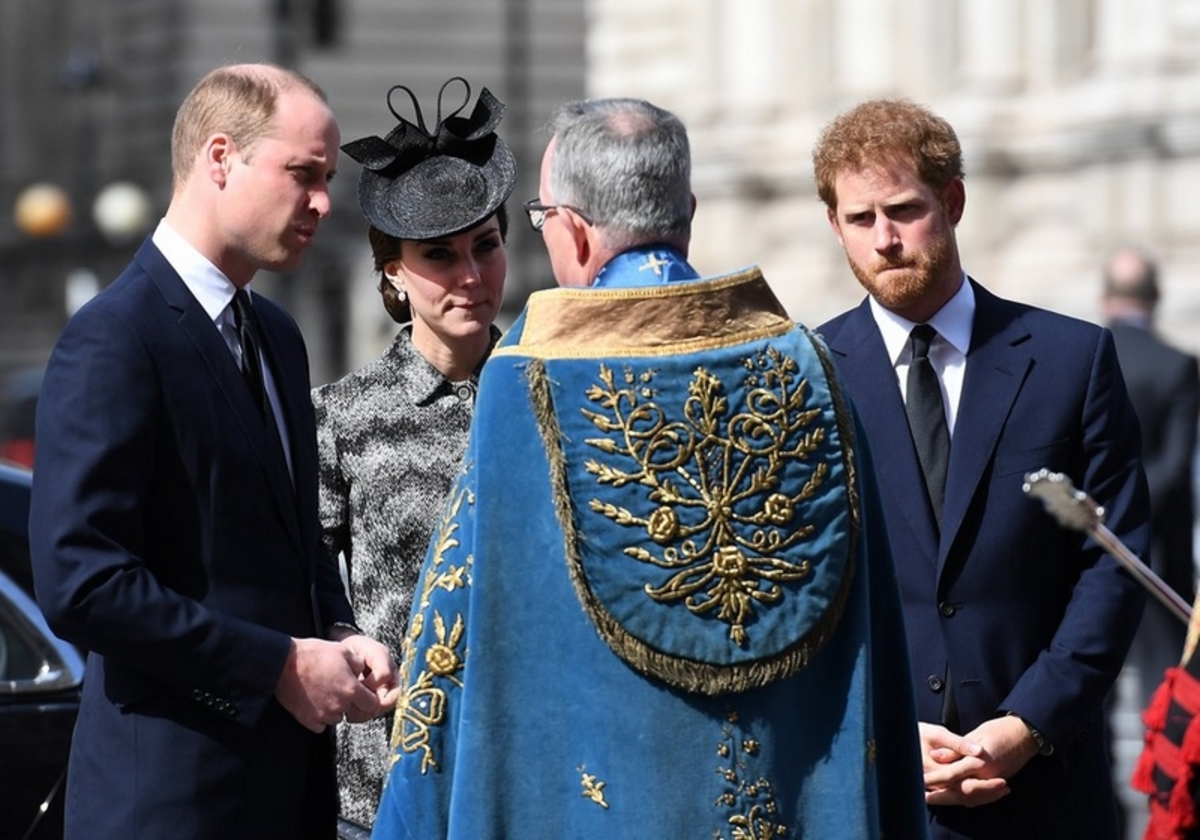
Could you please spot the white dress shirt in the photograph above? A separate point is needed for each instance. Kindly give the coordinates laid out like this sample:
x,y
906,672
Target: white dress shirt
x,y
214,292
947,353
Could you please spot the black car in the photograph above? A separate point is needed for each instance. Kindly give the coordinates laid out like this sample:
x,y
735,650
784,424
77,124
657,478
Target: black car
x,y
18,407
40,679
40,676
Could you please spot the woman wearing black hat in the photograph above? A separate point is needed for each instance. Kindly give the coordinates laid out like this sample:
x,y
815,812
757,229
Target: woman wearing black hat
x,y
391,434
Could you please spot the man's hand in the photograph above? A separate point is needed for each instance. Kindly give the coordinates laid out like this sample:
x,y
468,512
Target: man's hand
x,y
321,684
974,769
379,674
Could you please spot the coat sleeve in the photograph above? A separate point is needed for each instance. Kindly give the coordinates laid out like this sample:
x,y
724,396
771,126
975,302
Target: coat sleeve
x,y
1061,692
101,424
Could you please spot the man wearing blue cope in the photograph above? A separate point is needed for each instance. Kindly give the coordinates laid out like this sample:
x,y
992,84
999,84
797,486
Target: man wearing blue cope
x,y
660,602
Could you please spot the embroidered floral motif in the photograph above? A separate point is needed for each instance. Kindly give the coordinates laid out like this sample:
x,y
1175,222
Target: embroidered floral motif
x,y
713,482
424,703
756,813
593,788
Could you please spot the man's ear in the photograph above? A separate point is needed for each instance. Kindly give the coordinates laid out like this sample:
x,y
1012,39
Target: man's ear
x,y
581,236
954,199
831,215
218,154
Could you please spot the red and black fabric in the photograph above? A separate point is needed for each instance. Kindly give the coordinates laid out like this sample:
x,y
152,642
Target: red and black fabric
x,y
1167,767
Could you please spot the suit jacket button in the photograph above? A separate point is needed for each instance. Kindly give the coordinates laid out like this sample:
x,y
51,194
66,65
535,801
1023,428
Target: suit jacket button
x,y
947,609
935,683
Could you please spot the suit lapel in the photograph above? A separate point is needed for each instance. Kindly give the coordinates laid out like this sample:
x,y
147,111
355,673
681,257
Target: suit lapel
x,y
221,365
875,392
996,370
296,403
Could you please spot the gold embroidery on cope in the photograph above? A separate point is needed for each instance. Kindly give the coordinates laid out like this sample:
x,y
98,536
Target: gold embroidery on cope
x,y
757,816
688,674
593,788
654,264
710,465
425,701
572,323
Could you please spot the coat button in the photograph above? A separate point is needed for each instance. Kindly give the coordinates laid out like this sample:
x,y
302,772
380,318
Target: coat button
x,y
935,683
947,609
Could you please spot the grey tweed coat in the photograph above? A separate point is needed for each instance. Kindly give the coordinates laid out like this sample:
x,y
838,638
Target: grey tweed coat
x,y
390,436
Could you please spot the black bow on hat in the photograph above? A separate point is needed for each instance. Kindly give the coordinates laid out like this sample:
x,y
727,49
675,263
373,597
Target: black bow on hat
x,y
421,185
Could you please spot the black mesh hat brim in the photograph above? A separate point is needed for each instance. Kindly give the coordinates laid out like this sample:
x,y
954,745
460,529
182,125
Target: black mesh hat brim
x,y
438,197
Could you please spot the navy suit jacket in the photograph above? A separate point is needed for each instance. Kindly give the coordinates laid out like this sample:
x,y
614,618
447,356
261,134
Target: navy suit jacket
x,y
1164,387
1165,391
169,540
1017,613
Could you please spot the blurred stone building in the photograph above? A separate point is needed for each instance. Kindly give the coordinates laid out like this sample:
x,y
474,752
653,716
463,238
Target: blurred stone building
x,y
88,93
1080,121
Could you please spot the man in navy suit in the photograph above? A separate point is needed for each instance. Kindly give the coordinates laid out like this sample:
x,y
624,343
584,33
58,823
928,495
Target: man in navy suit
x,y
1165,390
1016,627
174,522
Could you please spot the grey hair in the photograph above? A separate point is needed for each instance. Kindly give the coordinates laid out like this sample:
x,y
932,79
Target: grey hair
x,y
627,165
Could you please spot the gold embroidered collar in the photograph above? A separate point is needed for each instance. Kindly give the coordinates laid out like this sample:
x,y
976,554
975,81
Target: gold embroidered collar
x,y
596,323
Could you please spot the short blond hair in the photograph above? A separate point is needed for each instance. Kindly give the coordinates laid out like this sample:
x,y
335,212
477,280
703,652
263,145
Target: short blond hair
x,y
879,132
237,99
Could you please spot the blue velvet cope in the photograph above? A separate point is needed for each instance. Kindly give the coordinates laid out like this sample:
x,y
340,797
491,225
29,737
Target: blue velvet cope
x,y
659,602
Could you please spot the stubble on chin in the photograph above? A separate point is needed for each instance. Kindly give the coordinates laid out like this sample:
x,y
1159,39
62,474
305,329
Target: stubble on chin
x,y
908,281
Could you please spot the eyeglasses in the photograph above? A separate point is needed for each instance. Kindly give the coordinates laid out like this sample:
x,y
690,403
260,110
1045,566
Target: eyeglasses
x,y
537,213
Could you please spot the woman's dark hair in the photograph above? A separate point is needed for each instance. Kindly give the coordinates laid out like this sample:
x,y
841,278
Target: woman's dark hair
x,y
385,248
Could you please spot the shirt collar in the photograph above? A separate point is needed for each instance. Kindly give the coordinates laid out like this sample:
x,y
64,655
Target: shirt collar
x,y
645,265
207,283
953,323
425,383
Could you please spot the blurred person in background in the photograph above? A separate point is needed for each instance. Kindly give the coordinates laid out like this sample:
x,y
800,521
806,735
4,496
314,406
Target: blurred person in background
x,y
1164,387
391,434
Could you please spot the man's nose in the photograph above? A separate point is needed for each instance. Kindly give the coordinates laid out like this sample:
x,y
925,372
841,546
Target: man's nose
x,y
320,201
886,235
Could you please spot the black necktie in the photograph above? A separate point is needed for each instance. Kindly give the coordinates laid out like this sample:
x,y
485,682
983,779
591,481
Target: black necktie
x,y
250,339
927,417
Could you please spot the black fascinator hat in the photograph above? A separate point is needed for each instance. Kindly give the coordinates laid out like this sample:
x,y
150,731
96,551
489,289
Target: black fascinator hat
x,y
417,184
